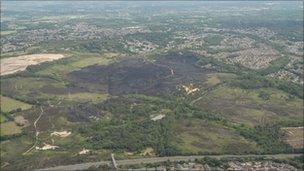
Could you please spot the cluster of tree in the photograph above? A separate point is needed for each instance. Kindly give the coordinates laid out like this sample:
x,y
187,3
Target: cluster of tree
x,y
8,115
252,81
222,66
106,22
131,135
39,25
290,28
10,137
275,66
100,46
131,128
213,40
159,38
268,136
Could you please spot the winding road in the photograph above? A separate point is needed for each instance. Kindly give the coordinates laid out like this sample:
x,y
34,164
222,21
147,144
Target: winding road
x,y
84,166
37,132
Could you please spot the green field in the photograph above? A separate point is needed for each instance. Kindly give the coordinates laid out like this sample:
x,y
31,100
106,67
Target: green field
x,y
2,118
76,62
9,104
249,106
9,128
200,137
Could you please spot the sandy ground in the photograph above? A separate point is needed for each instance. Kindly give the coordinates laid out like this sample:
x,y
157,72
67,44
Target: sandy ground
x,y
47,147
61,134
158,117
16,64
84,151
190,89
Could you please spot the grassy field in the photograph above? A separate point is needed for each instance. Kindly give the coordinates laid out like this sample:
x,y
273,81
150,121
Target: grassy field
x,y
213,80
9,128
9,148
29,88
85,96
2,118
198,137
251,106
9,104
217,78
76,62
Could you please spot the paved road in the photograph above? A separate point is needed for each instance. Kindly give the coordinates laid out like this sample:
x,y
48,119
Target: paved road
x,y
84,166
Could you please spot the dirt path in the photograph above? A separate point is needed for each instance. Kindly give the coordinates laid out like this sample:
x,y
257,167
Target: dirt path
x,y
84,166
37,132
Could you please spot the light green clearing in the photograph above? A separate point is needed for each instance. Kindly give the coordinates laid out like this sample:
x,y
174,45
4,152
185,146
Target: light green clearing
x,y
78,62
9,104
9,128
94,97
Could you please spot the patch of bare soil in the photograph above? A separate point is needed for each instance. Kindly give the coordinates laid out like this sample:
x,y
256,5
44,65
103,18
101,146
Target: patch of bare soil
x,y
16,64
157,117
84,151
190,89
20,121
61,134
47,147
